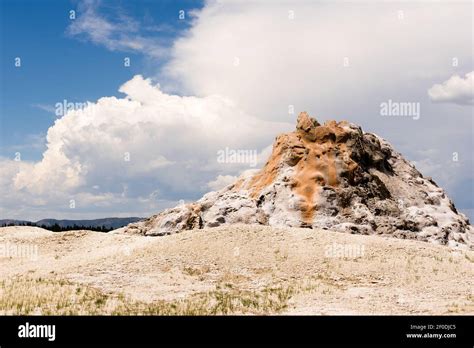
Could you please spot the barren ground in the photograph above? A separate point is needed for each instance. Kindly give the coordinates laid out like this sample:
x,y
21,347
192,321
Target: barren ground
x,y
231,270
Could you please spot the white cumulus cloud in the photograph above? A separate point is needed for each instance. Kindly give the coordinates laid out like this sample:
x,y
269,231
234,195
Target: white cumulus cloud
x,y
456,90
148,141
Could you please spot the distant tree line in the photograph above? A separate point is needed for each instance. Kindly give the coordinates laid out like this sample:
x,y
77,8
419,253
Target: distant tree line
x,y
56,228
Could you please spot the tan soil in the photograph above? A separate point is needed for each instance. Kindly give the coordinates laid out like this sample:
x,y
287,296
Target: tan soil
x,y
391,276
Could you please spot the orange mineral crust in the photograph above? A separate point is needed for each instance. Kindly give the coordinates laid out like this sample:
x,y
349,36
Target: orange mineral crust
x,y
329,176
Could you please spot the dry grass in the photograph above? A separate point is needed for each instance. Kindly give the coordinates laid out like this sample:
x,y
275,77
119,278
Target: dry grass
x,y
59,297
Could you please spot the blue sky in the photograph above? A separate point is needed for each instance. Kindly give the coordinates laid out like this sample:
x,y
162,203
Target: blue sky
x,y
224,76
58,66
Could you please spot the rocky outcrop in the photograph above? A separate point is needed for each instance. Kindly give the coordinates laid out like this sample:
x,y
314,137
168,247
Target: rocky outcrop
x,y
331,176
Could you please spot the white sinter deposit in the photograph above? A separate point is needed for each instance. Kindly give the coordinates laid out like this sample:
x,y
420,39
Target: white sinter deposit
x,y
332,176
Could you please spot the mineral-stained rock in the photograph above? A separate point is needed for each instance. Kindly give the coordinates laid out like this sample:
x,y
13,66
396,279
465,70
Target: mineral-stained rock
x,y
331,176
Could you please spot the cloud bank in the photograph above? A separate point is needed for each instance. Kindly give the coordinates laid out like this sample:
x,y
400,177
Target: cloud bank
x,y
146,146
326,58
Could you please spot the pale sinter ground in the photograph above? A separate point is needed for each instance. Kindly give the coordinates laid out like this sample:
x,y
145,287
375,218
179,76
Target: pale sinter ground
x,y
231,270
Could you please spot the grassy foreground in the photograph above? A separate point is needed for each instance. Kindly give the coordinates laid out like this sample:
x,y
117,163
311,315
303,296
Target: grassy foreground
x,y
58,297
